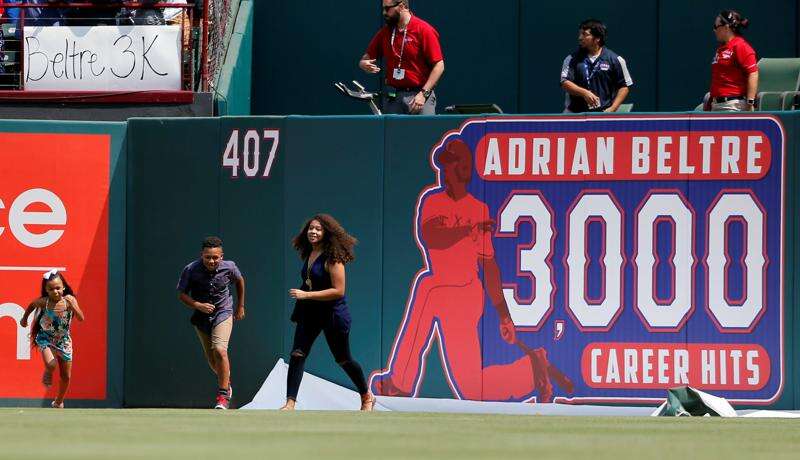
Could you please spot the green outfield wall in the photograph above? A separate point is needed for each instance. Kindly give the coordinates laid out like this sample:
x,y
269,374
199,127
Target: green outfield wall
x,y
368,172
232,96
254,180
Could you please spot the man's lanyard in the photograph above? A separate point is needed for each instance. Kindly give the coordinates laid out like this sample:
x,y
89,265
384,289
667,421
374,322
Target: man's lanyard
x,y
402,45
590,68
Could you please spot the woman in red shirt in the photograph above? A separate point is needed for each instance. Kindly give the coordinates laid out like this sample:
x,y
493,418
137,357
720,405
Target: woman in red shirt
x,y
734,71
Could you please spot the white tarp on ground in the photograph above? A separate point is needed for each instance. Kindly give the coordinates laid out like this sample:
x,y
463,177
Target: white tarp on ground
x,y
680,397
683,401
320,394
769,414
315,393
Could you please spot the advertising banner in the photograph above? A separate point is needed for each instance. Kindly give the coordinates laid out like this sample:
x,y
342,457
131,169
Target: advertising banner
x,y
54,214
599,259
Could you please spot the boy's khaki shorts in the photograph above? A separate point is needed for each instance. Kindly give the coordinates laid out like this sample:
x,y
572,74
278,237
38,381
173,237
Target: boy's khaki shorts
x,y
219,338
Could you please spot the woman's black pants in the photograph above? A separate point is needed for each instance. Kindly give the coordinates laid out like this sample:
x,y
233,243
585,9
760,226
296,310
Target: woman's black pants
x,y
338,340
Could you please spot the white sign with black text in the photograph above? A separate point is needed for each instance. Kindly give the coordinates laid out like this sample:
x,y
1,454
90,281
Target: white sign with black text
x,y
103,58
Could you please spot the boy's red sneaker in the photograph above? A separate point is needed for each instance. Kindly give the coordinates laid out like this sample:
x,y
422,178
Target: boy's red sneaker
x,y
222,402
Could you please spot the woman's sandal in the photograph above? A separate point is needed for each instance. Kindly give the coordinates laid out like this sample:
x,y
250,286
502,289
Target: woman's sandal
x,y
368,402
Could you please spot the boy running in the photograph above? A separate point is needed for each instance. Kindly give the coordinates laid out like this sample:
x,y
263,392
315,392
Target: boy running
x,y
204,286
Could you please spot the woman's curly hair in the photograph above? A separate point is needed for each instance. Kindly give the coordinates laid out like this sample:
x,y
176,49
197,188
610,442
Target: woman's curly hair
x,y
337,244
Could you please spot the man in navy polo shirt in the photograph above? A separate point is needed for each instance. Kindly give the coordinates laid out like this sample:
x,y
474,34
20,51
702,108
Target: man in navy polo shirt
x,y
595,78
204,286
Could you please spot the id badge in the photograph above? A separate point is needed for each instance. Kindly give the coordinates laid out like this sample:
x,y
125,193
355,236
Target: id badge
x,y
399,74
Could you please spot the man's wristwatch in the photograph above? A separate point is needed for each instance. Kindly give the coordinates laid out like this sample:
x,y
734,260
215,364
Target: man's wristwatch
x,y
750,101
427,93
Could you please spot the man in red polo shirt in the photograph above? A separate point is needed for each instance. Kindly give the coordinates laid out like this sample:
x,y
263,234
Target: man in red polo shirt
x,y
413,57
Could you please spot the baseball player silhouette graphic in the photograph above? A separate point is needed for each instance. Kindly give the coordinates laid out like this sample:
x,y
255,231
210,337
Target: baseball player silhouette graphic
x,y
454,230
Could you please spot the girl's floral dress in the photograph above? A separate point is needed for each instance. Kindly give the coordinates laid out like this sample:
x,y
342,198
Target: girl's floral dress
x,y
54,331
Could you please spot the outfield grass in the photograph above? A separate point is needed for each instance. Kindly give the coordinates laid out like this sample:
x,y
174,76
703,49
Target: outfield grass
x,y
199,434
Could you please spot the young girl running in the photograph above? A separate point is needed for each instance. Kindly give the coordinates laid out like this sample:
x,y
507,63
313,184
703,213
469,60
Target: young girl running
x,y
50,329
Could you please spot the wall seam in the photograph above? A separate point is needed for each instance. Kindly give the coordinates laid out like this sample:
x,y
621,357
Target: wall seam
x,y
658,59
519,57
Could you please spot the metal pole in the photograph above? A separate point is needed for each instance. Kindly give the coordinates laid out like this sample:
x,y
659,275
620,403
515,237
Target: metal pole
x,y
22,49
204,50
